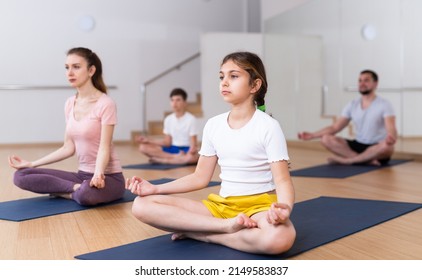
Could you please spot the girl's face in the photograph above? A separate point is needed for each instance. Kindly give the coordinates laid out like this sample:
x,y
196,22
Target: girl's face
x,y
235,84
77,71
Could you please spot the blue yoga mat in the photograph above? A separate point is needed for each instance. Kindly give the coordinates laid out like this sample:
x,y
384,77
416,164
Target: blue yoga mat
x,y
317,221
155,166
341,171
42,206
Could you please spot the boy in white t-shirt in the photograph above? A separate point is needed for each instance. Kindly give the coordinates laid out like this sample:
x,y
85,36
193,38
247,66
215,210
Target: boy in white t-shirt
x,y
179,145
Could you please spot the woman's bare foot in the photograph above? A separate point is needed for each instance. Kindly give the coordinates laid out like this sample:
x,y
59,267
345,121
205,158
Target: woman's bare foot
x,y
76,187
62,195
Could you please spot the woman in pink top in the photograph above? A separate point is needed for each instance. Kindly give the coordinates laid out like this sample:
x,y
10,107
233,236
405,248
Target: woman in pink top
x,y
90,120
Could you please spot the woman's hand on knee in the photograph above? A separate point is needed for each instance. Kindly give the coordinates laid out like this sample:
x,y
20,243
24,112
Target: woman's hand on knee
x,y
18,163
98,181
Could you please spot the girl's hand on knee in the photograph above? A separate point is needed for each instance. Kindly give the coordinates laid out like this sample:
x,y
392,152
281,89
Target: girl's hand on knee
x,y
139,186
131,181
279,213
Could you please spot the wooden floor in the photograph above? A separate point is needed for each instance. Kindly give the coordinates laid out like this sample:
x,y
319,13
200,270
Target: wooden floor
x,y
64,236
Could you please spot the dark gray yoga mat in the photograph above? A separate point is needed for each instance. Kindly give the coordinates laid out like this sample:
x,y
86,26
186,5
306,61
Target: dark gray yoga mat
x,y
341,171
317,221
42,206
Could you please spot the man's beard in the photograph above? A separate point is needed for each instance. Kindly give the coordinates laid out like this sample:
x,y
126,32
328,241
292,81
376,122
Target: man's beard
x,y
365,92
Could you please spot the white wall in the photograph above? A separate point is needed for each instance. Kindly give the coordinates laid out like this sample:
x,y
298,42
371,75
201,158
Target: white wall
x,y
294,72
271,8
135,39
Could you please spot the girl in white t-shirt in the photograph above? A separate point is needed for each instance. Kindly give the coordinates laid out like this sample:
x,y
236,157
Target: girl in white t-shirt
x,y
251,213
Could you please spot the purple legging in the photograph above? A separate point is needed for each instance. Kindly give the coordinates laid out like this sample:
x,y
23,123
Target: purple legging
x,y
43,180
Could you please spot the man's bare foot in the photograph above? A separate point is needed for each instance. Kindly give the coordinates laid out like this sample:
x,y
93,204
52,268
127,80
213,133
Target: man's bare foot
x,y
348,161
338,160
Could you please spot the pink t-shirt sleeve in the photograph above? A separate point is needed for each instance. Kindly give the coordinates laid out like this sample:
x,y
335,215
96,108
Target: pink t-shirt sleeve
x,y
107,111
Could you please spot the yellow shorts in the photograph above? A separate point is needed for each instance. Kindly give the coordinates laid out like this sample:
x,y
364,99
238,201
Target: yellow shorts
x,y
231,206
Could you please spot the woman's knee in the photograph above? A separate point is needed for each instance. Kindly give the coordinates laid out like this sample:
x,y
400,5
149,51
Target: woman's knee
x,y
19,178
85,195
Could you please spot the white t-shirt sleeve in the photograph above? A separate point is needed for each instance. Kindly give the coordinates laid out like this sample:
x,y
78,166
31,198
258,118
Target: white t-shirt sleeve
x,y
166,125
207,147
347,111
193,129
388,109
275,143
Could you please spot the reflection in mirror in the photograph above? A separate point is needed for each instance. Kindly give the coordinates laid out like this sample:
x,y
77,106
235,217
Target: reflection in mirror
x,y
392,53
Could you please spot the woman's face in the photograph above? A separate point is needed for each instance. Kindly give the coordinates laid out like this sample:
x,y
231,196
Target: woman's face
x,y
77,71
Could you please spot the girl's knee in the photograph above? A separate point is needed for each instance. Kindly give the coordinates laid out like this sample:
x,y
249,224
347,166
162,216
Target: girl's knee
x,y
142,207
138,207
281,240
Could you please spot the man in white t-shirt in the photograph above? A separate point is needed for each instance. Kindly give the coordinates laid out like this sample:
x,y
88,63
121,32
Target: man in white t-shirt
x,y
375,124
179,145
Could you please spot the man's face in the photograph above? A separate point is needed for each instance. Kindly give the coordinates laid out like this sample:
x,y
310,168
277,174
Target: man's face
x,y
177,103
366,84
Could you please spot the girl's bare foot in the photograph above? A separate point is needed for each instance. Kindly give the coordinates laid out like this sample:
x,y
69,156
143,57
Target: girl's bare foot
x,y
235,224
178,235
242,221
